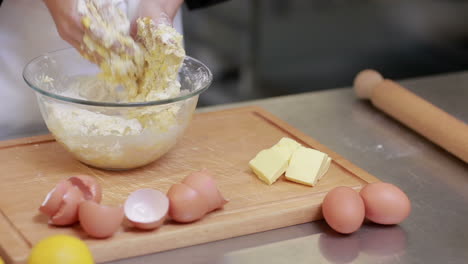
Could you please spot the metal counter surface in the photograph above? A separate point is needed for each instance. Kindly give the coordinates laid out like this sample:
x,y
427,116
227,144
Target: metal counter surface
x,y
435,181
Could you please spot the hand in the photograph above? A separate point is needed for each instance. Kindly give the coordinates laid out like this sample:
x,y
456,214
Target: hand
x,y
67,20
68,15
160,11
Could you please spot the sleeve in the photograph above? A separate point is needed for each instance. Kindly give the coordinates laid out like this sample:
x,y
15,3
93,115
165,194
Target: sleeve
x,y
194,4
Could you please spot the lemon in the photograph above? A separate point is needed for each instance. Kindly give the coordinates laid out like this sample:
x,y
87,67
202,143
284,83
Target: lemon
x,y
60,249
1,261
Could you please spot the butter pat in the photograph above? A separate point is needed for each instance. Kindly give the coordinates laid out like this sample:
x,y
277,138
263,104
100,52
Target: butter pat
x,y
307,166
286,147
270,164
325,167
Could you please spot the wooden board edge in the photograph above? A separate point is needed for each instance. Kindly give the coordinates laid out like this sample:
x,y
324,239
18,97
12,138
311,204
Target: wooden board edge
x,y
14,249
308,140
355,170
240,109
291,213
26,141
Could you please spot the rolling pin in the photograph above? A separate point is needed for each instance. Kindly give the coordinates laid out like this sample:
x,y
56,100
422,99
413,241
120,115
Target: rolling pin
x,y
413,111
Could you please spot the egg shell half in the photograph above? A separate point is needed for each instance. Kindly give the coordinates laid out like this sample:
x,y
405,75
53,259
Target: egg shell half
x,y
185,204
68,212
100,221
204,183
88,185
343,210
146,208
53,200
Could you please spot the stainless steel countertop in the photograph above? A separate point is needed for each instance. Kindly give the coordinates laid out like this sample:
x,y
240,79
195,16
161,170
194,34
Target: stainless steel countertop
x,y
435,181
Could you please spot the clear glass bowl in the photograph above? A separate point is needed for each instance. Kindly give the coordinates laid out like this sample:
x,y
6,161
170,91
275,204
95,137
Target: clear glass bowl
x,y
103,132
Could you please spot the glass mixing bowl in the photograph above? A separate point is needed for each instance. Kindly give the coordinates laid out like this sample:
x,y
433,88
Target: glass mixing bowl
x,y
95,127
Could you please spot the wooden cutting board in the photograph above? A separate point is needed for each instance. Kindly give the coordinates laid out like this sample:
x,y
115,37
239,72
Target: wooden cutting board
x,y
222,141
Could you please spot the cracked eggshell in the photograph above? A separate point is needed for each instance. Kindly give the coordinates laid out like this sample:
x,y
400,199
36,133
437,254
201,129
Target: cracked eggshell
x,y
100,221
146,208
204,183
186,204
53,200
68,212
88,185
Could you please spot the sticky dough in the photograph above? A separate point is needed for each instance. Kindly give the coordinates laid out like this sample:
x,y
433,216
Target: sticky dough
x,y
146,68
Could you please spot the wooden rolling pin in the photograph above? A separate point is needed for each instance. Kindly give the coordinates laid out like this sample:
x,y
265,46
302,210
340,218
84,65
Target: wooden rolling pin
x,y
425,118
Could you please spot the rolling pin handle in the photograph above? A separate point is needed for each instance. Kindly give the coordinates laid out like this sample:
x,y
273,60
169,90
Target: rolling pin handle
x,y
365,82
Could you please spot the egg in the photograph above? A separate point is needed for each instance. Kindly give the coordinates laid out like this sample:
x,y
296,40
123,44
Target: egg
x,y
53,200
68,212
385,203
146,208
343,210
203,182
88,185
185,204
98,220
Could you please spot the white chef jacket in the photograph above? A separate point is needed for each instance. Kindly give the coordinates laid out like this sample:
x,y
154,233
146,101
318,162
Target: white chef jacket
x,y
26,31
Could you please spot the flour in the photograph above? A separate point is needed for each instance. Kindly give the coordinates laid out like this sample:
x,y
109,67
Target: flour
x,y
137,71
76,121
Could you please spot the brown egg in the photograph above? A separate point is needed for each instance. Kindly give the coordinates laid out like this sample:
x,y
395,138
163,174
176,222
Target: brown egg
x,y
88,185
186,204
343,210
385,203
203,182
100,221
68,212
146,208
53,200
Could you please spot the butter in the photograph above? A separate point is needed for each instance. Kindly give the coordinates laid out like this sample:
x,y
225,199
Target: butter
x,y
306,166
301,164
286,147
270,164
324,169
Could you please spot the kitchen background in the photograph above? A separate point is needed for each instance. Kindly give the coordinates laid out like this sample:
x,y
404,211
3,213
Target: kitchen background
x,y
263,48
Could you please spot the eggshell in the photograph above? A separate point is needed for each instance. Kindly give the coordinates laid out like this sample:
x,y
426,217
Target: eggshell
x,y
385,203
146,208
99,221
53,200
88,185
68,212
203,182
343,210
185,204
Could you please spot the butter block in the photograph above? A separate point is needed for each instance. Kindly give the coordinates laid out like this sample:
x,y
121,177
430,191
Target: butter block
x,y
270,164
325,167
287,147
305,166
